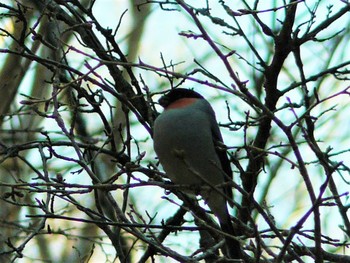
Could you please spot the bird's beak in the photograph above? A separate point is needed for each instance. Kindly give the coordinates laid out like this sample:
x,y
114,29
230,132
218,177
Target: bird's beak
x,y
164,101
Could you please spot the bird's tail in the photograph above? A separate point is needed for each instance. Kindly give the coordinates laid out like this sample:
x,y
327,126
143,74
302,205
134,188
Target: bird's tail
x,y
217,204
233,249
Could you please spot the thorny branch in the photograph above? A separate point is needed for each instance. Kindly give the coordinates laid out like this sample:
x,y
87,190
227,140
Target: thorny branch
x,y
71,154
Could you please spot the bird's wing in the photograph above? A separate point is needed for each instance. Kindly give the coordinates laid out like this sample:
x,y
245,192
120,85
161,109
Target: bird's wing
x,y
220,149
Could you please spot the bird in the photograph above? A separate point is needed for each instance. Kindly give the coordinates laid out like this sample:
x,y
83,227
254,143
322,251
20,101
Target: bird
x,y
189,146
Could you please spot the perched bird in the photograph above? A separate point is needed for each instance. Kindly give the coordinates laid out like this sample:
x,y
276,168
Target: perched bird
x,y
188,143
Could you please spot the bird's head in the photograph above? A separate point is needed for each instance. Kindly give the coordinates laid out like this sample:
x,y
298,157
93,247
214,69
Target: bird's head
x,y
178,98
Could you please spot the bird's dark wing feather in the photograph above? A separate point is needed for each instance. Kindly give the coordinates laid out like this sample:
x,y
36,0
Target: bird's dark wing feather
x,y
226,166
221,152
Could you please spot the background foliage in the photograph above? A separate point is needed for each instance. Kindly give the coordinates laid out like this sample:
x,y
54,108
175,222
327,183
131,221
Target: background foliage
x,y
79,84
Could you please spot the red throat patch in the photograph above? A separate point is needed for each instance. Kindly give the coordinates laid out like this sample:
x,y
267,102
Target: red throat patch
x,y
181,103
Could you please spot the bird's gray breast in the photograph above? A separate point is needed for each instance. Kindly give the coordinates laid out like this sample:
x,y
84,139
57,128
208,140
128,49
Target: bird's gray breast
x,y
184,145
